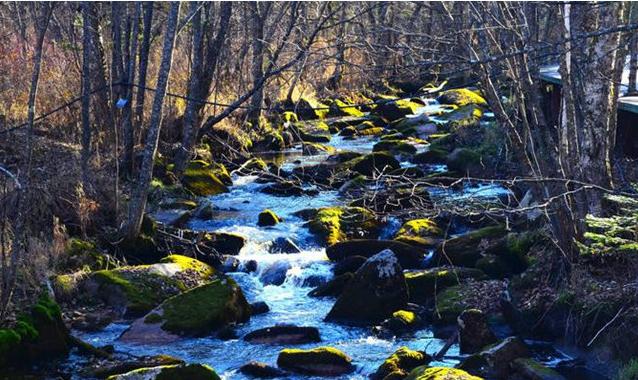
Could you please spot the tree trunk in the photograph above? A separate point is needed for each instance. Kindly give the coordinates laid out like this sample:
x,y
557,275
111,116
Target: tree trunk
x,y
144,51
127,117
257,22
86,93
201,80
138,201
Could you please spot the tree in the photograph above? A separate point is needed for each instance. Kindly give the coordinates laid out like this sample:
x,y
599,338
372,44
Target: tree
x,y
86,92
127,117
137,204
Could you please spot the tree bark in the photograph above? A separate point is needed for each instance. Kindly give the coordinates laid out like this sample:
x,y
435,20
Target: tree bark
x,y
144,51
86,94
202,73
138,201
127,116
258,19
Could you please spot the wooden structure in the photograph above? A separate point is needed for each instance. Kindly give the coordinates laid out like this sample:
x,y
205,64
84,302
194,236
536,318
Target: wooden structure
x,y
627,134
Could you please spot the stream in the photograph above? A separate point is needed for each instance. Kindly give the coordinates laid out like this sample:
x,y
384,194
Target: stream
x,y
237,212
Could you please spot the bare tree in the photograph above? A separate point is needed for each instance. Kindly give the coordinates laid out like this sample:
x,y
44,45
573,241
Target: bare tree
x,y
137,204
86,93
127,117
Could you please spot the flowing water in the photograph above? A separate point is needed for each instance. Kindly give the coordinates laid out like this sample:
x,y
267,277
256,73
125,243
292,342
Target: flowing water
x,y
288,302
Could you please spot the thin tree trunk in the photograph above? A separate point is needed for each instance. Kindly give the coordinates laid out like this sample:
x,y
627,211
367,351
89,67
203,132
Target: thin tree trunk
x,y
86,94
200,87
127,117
138,201
144,51
257,22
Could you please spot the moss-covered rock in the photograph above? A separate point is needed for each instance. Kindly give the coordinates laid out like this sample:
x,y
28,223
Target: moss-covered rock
x,y
341,108
199,177
396,109
196,312
377,290
374,131
400,363
135,290
39,334
424,284
434,155
253,165
348,131
309,108
440,373
531,369
463,117
170,372
322,361
260,370
272,140
461,97
395,147
466,249
267,218
408,256
423,228
373,163
335,224
312,149
81,255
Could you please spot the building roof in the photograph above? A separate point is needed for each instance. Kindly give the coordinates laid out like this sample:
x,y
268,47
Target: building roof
x,y
551,74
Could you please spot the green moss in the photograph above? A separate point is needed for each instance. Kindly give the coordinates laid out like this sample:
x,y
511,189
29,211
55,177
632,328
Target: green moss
x,y
372,163
153,318
440,373
422,285
185,263
629,371
400,363
143,289
335,224
341,108
200,178
205,308
267,218
394,110
394,146
171,372
290,117
461,97
407,317
420,227
311,148
81,255
449,304
376,131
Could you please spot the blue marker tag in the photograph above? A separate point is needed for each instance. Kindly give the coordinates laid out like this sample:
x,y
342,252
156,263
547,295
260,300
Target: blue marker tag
x,y
121,103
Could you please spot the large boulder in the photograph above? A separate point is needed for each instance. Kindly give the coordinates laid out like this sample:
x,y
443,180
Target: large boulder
x,y
461,97
334,287
335,224
199,177
467,249
424,232
400,363
424,284
439,373
391,110
135,290
267,218
373,163
173,372
321,361
407,255
284,334
474,332
38,335
197,312
377,290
